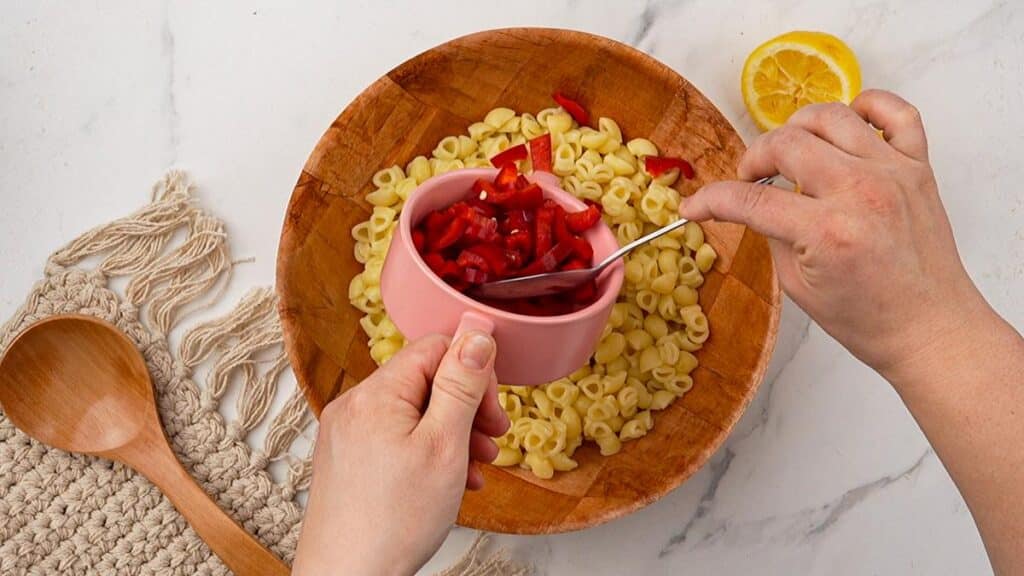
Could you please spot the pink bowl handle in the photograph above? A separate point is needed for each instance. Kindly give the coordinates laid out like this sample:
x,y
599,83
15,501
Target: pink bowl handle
x,y
473,321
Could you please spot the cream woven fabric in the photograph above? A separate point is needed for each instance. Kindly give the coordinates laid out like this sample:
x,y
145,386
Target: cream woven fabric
x,y
68,514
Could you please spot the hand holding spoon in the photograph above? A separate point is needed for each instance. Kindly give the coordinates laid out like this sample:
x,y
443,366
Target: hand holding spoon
x,y
555,282
78,384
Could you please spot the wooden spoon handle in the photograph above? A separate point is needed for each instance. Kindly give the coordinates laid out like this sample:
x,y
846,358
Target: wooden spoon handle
x,y
238,549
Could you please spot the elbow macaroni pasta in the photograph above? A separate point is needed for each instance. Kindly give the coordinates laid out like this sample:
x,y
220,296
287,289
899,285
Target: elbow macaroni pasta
x,y
645,359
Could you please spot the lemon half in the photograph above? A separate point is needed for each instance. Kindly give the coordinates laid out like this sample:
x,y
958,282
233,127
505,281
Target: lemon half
x,y
794,70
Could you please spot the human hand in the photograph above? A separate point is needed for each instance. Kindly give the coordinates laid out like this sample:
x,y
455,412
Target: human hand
x,y
866,249
393,458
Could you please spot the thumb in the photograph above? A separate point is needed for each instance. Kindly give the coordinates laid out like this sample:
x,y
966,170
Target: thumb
x,y
771,211
460,383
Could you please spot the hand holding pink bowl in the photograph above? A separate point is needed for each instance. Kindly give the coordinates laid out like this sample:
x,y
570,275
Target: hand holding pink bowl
x,y
532,350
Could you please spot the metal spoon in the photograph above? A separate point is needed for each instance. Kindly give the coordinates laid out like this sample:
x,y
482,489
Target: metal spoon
x,y
78,384
555,282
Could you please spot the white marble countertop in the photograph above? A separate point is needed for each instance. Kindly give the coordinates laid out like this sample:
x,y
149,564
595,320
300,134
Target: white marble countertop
x,y
827,473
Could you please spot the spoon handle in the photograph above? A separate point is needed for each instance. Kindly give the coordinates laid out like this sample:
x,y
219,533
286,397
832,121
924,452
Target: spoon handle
x,y
238,549
653,236
639,242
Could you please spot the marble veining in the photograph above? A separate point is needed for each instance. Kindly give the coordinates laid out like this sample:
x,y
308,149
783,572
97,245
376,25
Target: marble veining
x,y
826,473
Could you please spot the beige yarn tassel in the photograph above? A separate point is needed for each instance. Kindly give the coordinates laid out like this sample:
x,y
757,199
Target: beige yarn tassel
x,y
475,563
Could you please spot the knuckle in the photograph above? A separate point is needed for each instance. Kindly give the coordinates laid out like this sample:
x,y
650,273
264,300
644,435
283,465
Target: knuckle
x,y
837,234
834,113
344,409
459,389
783,138
751,197
878,201
909,114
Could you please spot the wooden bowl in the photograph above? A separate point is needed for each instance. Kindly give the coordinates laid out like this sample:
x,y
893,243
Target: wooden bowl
x,y
441,92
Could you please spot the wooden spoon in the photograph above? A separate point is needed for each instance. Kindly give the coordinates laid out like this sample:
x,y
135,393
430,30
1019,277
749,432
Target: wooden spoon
x,y
78,384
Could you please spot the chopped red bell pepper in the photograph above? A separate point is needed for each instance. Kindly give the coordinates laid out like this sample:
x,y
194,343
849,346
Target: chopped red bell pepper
x,y
448,236
510,156
542,232
474,276
560,230
586,292
419,240
493,257
549,261
658,165
506,177
484,208
521,241
479,227
581,249
517,220
574,108
470,259
540,153
529,198
575,264
582,220
506,228
435,261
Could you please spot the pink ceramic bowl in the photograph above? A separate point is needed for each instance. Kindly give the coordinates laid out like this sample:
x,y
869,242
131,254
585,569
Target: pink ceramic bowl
x,y
531,349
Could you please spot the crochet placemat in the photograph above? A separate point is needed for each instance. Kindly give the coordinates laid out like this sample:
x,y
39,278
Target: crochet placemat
x,y
63,513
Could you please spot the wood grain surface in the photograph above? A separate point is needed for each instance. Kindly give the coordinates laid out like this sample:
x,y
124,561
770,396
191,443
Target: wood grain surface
x,y
441,92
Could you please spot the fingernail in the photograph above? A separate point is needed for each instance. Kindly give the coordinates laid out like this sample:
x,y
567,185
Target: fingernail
x,y
476,350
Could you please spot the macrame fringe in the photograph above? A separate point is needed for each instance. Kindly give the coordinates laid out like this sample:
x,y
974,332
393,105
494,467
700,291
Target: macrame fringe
x,y
245,346
475,562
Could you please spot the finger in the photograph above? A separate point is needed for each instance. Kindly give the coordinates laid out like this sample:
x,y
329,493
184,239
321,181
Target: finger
x,y
490,418
899,121
481,447
840,126
409,372
474,478
771,211
459,385
793,152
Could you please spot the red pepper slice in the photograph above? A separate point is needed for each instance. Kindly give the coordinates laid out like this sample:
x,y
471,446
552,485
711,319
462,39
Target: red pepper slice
x,y
510,156
575,264
480,206
506,177
521,182
435,261
419,240
521,241
560,230
658,165
581,249
517,220
475,276
469,259
549,261
585,293
528,198
574,108
437,221
487,257
450,235
578,222
542,234
540,153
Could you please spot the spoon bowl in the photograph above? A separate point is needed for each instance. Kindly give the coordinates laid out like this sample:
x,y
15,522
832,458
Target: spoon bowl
x,y
78,384
73,392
